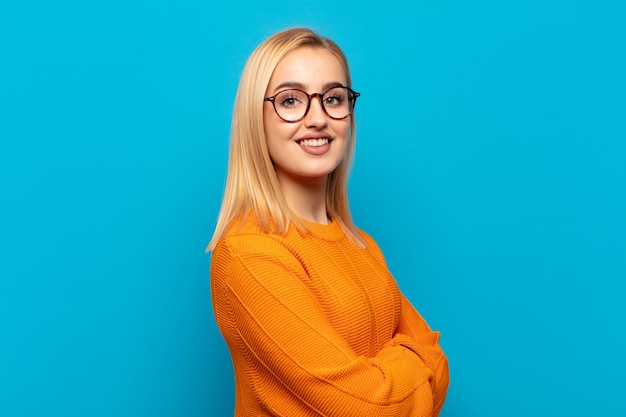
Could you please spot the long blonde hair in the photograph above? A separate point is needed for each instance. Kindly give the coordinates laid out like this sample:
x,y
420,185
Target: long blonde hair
x,y
251,183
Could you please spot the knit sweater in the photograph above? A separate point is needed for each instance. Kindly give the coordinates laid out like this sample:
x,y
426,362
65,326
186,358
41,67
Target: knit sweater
x,y
316,326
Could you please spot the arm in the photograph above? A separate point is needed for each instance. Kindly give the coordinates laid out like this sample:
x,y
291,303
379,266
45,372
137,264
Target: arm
x,y
424,340
265,311
426,346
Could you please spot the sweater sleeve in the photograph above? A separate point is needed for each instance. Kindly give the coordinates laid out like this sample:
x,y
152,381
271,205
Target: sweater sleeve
x,y
425,343
269,317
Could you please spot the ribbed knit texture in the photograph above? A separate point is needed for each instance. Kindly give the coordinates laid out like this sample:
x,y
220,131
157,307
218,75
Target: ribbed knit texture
x,y
317,326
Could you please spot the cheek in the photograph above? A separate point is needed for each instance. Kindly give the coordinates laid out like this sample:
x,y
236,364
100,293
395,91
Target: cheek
x,y
278,137
272,131
267,123
276,129
344,129
348,143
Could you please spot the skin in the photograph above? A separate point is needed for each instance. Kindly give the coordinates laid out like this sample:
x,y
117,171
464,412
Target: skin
x,y
303,175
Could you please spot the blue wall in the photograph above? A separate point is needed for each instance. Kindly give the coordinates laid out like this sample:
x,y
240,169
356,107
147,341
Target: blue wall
x,y
490,168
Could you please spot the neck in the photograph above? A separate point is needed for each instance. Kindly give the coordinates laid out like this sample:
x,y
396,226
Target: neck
x,y
306,197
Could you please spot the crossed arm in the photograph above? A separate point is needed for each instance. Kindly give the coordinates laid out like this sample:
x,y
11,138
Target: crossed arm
x,y
300,365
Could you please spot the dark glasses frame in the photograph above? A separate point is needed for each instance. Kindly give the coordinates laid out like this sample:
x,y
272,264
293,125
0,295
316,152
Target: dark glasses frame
x,y
352,96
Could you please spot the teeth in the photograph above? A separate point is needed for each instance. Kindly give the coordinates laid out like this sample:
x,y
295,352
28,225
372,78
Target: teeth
x,y
314,142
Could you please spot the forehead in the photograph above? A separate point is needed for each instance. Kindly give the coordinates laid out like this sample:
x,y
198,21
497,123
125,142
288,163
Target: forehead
x,y
310,67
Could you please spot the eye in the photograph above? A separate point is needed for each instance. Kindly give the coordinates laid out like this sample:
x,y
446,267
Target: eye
x,y
335,97
288,102
290,99
333,101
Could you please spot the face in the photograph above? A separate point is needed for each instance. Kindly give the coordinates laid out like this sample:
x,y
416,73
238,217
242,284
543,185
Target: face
x,y
314,146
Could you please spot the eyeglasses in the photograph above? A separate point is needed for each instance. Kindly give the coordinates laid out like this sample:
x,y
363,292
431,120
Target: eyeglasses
x,y
293,104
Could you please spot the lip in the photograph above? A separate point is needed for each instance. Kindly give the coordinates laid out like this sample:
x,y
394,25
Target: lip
x,y
315,135
315,150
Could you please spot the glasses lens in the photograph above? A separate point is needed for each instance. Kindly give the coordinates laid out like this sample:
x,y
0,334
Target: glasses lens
x,y
291,104
337,102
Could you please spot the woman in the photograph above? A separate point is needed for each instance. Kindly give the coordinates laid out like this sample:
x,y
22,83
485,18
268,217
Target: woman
x,y
314,321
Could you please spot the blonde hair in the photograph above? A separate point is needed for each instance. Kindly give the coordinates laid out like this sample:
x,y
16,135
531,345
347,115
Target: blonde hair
x,y
251,183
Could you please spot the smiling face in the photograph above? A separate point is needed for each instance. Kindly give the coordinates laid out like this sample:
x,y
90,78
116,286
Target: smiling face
x,y
314,146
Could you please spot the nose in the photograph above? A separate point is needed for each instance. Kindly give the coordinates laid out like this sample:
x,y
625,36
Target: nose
x,y
316,117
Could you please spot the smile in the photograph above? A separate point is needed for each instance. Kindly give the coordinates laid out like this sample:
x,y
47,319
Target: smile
x,y
314,142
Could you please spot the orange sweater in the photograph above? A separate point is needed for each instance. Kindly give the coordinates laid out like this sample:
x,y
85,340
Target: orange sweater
x,y
317,326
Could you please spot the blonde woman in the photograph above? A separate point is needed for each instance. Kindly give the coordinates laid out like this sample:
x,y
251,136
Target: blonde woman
x,y
314,321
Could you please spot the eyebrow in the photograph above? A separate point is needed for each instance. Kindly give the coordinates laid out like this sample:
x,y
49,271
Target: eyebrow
x,y
295,84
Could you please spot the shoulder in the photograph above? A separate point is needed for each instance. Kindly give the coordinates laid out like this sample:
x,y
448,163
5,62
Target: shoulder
x,y
244,235
372,246
247,243
246,246
248,261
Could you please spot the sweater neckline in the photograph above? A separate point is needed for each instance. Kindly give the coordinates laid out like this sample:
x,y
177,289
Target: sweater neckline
x,y
331,231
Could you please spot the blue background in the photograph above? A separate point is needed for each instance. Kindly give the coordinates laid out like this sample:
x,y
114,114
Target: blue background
x,y
490,168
